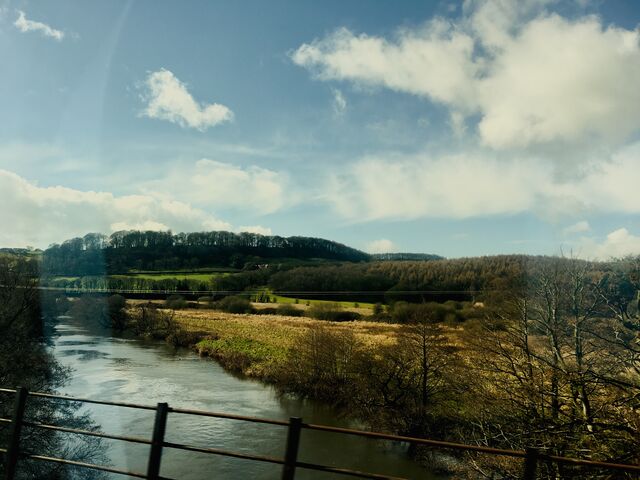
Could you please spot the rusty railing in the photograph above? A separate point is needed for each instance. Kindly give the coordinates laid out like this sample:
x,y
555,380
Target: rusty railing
x,y
531,457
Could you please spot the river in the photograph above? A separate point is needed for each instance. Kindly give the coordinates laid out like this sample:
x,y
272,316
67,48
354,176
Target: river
x,y
132,370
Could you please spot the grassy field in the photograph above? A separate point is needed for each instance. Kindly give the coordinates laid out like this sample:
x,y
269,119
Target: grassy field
x,y
186,271
200,277
264,340
304,301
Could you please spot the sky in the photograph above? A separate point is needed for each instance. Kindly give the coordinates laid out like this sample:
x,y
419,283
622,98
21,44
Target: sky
x,y
465,128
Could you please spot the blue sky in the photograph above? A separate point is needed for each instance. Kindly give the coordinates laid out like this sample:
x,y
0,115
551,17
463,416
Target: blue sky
x,y
457,128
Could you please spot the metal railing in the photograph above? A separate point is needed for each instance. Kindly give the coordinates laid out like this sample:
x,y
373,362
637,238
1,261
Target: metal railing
x,y
531,457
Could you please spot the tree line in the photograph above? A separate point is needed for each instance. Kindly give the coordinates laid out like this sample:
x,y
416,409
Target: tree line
x,y
463,279
123,251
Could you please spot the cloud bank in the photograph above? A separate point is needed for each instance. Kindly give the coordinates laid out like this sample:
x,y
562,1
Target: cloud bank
x,y
530,77
40,216
470,185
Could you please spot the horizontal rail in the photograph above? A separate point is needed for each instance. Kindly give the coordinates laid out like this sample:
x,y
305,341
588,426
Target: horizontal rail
x,y
228,416
89,433
257,292
96,402
92,466
475,448
420,441
278,461
345,471
592,463
225,453
339,430
82,400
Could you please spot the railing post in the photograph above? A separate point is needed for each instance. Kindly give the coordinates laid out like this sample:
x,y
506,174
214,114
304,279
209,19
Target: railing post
x,y
13,449
291,453
531,464
157,441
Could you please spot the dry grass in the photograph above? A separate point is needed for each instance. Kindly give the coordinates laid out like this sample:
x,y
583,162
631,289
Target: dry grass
x,y
277,330
256,344
282,332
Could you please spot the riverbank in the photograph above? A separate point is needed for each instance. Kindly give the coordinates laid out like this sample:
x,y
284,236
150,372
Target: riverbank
x,y
120,368
256,344
370,371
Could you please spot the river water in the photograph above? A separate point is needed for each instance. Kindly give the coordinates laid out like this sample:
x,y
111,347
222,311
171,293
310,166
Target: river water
x,y
146,372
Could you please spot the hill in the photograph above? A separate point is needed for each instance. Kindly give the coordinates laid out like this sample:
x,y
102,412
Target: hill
x,y
127,251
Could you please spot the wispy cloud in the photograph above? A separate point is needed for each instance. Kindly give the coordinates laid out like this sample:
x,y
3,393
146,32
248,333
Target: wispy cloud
x,y
214,184
167,98
339,102
578,227
25,25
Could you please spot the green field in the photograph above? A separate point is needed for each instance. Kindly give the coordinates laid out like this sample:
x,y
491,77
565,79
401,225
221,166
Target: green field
x,y
201,277
196,276
208,270
304,301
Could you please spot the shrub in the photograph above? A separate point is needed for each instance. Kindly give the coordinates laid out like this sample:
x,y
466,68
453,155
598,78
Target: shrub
x,y
206,302
332,312
116,308
345,316
378,309
289,311
235,304
153,322
175,302
266,311
403,312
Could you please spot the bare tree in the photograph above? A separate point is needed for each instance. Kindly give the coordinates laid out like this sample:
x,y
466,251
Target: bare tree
x,y
551,369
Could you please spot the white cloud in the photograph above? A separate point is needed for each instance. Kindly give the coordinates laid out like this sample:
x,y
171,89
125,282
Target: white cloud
x,y
562,80
433,61
478,184
530,77
578,227
43,215
452,186
618,243
145,225
218,185
382,245
255,229
339,102
25,25
167,98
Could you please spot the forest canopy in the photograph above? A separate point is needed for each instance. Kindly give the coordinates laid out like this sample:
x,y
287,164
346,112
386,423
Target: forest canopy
x,y
123,251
